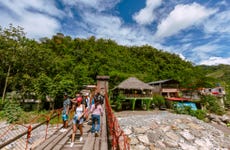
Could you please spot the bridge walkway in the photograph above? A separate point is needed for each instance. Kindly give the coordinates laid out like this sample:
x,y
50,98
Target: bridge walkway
x,y
61,140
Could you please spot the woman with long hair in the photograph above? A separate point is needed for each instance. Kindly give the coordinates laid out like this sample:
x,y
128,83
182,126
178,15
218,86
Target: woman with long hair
x,y
78,120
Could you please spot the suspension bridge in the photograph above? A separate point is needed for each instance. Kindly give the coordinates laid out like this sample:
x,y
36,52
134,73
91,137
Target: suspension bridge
x,y
47,136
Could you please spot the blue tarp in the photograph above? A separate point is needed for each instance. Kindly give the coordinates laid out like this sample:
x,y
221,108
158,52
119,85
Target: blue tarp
x,y
190,104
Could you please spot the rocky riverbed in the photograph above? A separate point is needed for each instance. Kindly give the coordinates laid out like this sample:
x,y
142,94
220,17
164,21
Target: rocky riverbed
x,y
164,130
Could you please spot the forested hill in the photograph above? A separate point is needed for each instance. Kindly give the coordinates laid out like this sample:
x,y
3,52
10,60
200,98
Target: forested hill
x,y
91,57
220,73
61,63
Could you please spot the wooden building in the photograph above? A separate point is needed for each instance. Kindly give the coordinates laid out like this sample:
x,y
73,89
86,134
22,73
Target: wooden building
x,y
166,88
134,91
134,88
218,92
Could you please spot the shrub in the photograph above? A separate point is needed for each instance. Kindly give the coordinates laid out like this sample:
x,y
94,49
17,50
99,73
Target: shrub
x,y
2,104
199,114
228,124
158,100
119,99
211,103
227,101
12,111
182,109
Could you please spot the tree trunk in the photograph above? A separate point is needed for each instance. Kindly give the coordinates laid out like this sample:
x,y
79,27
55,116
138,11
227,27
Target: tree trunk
x,y
4,91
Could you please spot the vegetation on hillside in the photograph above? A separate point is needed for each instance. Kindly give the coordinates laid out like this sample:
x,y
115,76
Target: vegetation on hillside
x,y
221,73
61,64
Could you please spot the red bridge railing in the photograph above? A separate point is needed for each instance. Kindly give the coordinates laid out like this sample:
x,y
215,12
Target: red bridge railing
x,y
118,139
14,136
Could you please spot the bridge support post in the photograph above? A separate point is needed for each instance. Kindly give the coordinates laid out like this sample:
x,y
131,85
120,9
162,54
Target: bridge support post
x,y
102,83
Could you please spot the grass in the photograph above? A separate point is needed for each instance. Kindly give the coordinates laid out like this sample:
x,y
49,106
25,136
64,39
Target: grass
x,y
33,117
216,74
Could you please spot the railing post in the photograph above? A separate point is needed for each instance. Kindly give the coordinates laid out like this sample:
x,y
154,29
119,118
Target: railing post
x,y
59,113
47,125
29,130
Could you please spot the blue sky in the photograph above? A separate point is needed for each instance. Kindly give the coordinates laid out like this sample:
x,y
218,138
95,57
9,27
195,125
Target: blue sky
x,y
198,30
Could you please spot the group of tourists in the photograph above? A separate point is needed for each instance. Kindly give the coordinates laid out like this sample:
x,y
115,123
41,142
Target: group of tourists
x,y
83,105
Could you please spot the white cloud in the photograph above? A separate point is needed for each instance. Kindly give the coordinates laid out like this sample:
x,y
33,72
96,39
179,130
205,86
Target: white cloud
x,y
220,23
204,52
182,56
37,17
37,25
99,5
207,48
223,3
182,17
23,6
104,25
146,15
216,61
108,26
87,3
109,23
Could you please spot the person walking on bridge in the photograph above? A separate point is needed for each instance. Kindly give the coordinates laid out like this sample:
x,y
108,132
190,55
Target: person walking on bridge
x,y
65,112
78,120
96,111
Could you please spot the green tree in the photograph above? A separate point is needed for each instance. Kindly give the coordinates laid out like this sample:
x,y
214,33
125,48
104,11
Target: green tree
x,y
212,104
11,40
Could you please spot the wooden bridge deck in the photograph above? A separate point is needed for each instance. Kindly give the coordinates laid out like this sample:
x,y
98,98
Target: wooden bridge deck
x,y
61,140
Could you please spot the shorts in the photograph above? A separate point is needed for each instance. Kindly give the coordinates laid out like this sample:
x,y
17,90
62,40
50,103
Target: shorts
x,y
76,121
65,117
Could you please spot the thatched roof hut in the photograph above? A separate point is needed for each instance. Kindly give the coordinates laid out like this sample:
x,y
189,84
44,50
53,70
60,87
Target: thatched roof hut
x,y
133,83
133,89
